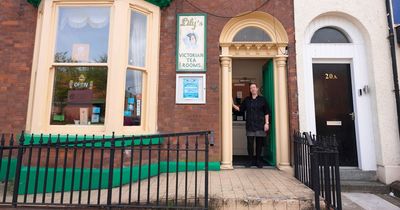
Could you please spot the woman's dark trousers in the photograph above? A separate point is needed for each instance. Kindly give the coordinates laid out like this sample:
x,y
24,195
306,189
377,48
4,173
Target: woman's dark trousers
x,y
250,149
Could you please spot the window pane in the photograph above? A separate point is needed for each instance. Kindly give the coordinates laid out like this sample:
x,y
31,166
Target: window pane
x,y
396,11
329,35
82,35
251,34
137,39
79,95
133,98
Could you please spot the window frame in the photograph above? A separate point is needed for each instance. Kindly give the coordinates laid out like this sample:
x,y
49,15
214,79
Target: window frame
x,y
44,67
54,36
53,65
247,27
339,30
144,70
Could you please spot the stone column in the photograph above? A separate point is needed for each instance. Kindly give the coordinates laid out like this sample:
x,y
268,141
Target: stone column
x,y
226,67
283,127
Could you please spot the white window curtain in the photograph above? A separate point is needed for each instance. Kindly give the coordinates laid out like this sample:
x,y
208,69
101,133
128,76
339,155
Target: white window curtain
x,y
137,39
95,17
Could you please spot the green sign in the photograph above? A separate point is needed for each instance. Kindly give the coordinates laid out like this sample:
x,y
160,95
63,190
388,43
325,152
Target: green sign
x,y
191,43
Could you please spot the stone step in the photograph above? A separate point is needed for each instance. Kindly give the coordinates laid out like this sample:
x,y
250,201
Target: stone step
x,y
262,203
364,186
357,175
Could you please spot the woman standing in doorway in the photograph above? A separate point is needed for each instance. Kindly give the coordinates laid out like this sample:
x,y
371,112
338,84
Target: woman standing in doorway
x,y
257,123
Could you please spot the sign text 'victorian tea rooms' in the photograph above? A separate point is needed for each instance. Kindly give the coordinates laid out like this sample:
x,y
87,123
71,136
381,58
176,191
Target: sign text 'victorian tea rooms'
x,y
191,59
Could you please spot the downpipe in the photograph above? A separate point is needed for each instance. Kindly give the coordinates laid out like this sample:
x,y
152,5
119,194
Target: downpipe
x,y
394,62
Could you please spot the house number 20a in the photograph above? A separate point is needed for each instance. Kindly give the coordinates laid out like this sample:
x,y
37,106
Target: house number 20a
x,y
330,76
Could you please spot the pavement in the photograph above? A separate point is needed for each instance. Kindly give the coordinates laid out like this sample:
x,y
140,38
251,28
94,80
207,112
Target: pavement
x,y
368,201
228,189
241,188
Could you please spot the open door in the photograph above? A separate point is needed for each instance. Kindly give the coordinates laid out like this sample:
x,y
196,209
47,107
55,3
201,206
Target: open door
x,y
268,93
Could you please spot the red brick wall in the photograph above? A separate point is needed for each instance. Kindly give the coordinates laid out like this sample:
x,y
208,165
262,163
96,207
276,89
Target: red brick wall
x,y
174,117
17,34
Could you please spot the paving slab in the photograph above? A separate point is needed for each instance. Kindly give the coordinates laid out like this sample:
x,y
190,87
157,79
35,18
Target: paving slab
x,y
366,201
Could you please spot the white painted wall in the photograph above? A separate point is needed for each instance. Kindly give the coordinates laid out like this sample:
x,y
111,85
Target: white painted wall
x,y
369,55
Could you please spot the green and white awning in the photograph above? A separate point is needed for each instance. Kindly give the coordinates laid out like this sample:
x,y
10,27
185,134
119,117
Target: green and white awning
x,y
160,3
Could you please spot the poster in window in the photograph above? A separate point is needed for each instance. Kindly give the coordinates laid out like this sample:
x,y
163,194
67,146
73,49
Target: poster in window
x,y
138,107
95,118
80,52
191,42
127,113
83,116
131,100
96,110
190,88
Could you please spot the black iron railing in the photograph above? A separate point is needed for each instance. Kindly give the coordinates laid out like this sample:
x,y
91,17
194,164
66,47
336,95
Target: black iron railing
x,y
90,171
316,164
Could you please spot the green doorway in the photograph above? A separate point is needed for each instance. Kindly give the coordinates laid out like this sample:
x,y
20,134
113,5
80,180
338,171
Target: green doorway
x,y
245,71
268,93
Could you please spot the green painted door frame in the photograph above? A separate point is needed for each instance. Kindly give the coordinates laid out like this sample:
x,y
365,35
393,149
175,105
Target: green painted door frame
x,y
268,93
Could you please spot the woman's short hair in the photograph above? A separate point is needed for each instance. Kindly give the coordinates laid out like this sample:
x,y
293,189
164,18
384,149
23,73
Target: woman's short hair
x,y
253,83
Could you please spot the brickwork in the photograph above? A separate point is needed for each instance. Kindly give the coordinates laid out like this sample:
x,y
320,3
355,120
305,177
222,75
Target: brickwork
x,y
17,37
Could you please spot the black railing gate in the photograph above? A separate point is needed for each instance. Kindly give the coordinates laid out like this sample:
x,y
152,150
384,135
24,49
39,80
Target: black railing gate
x,y
316,164
149,171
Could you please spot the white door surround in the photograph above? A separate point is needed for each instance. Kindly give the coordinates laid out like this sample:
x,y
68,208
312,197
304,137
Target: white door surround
x,y
275,49
355,54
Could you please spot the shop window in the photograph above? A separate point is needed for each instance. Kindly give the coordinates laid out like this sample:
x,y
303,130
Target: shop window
x,y
79,92
82,90
133,98
134,77
252,34
137,39
79,95
329,35
82,35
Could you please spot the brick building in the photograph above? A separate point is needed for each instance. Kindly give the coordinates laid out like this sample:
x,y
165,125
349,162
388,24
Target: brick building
x,y
36,83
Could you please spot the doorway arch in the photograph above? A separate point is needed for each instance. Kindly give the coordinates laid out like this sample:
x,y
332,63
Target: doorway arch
x,y
353,53
274,48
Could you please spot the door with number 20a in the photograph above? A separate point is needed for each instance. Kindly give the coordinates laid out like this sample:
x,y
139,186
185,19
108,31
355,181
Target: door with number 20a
x,y
334,110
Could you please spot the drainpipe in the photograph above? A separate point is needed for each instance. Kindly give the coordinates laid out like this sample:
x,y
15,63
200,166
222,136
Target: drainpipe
x,y
394,63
